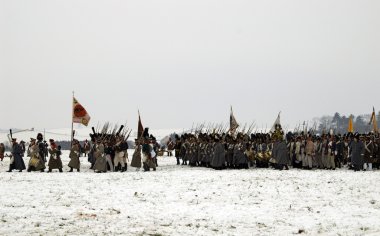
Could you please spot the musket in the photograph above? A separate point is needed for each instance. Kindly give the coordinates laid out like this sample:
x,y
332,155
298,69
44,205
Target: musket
x,y
120,129
105,128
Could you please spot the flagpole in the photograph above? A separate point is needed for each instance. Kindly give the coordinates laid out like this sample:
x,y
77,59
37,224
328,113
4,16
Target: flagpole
x,y
72,122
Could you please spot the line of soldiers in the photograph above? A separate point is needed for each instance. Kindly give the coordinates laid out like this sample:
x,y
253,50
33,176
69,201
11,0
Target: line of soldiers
x,y
218,151
38,151
304,150
148,146
109,152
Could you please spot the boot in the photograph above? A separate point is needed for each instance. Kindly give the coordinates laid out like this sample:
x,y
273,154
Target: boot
x,y
29,169
49,171
145,166
78,170
71,169
10,169
60,170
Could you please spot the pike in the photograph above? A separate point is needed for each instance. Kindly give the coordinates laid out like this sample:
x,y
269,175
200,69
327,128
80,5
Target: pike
x,y
225,128
128,135
192,126
250,128
220,128
245,126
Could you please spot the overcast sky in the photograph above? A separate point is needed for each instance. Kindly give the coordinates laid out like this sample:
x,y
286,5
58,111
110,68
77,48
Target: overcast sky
x,y
181,62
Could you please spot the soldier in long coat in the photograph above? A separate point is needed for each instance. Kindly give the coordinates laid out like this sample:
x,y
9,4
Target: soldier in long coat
x,y
239,159
121,149
186,151
209,153
318,153
91,156
193,153
147,151
230,152
368,154
86,147
331,148
17,163
136,157
43,151
55,161
310,152
219,159
298,154
170,145
100,159
36,162
357,153
74,156
177,147
2,150
339,152
280,154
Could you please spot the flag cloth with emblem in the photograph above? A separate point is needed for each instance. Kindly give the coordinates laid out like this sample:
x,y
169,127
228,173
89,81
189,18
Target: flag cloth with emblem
x,y
80,114
233,123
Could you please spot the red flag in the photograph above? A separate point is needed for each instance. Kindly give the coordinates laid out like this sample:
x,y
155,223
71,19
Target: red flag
x,y
80,114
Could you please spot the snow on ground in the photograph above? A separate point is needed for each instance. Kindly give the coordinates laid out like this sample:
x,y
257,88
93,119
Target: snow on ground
x,y
179,200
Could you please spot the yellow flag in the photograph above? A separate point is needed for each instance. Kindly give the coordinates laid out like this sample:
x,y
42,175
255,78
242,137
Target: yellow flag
x,y
80,114
350,125
373,121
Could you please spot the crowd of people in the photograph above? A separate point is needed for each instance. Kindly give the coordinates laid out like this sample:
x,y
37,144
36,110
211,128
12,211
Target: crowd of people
x,y
276,150
213,150
104,153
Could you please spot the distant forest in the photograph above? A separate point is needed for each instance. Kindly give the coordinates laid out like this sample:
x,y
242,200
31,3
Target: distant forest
x,y
339,123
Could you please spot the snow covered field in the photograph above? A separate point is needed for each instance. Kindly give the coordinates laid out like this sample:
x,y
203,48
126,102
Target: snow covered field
x,y
189,201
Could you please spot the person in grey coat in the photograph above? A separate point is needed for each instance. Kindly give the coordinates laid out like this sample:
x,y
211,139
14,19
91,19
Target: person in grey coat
x,y
74,156
136,158
239,159
218,161
357,153
280,154
17,163
100,159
